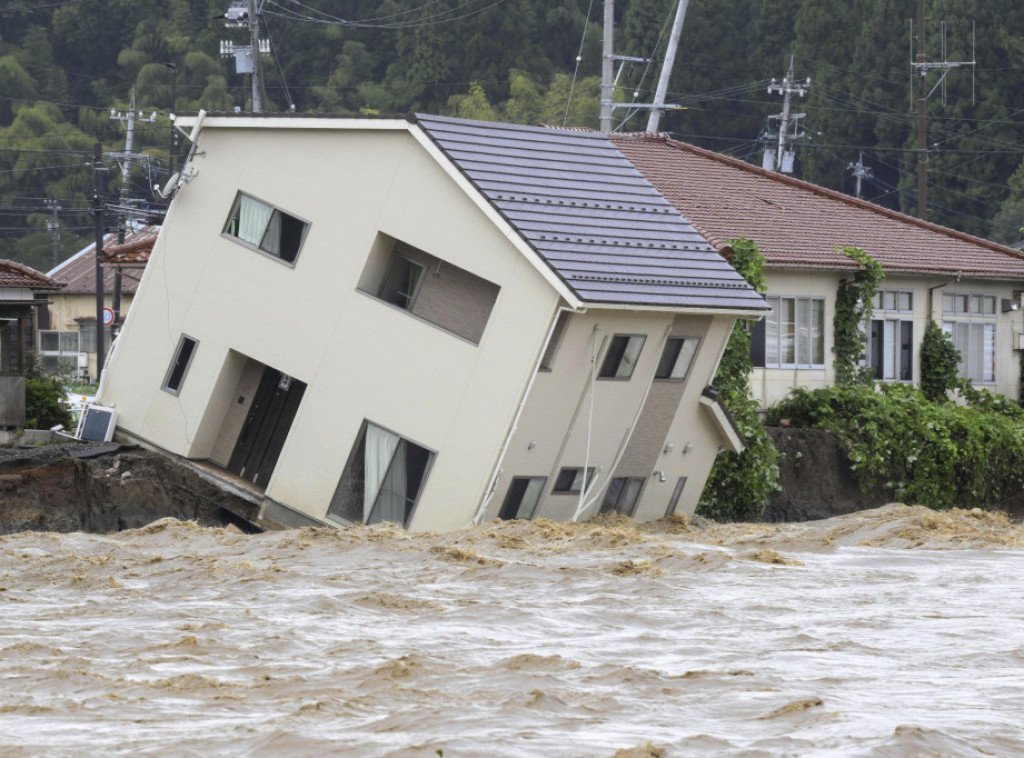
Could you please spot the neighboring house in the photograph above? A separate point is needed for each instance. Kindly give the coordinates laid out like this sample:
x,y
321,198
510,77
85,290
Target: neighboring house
x,y
969,286
23,291
427,321
67,332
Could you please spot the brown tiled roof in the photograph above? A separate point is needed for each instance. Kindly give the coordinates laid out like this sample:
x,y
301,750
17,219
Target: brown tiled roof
x,y
799,225
78,273
14,274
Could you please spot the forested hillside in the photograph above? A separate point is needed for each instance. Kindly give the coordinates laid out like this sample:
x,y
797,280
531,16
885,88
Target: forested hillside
x,y
65,63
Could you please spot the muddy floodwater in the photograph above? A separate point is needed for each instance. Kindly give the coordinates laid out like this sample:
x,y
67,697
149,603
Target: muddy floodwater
x,y
893,632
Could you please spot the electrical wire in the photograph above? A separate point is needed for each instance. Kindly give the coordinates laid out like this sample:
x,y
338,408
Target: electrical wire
x,y
579,59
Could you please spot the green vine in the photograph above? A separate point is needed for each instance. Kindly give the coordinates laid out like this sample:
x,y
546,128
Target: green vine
x,y
740,484
939,362
853,310
940,455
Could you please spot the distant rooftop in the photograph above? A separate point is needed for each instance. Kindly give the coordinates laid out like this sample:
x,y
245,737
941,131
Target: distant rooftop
x,y
797,224
18,275
78,273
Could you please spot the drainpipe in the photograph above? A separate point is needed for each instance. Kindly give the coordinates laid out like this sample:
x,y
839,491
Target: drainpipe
x,y
931,294
489,492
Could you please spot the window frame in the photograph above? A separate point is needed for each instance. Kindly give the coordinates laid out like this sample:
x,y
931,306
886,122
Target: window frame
x,y
603,373
900,343
624,483
234,217
677,493
353,454
396,256
958,312
775,317
574,488
547,360
175,360
670,377
543,480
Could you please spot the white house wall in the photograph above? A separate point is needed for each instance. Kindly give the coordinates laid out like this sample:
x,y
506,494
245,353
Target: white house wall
x,y
771,385
360,357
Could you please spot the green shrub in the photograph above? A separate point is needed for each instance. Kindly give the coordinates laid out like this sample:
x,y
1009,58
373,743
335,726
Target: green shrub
x,y
939,455
44,397
939,362
739,485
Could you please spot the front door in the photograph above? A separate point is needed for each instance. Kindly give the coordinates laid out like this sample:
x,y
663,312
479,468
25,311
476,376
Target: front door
x,y
266,427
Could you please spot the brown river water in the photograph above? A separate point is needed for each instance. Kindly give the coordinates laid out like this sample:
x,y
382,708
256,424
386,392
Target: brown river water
x,y
893,632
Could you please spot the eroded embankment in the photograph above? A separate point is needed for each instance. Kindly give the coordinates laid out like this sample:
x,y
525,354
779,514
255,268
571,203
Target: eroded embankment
x,y
59,488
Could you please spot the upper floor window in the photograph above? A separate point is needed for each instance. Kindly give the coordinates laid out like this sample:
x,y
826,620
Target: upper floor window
x,y
266,228
180,364
401,283
622,356
794,333
899,301
677,358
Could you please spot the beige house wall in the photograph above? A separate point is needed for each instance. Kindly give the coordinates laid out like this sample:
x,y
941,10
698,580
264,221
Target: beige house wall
x,y
361,357
770,385
558,425
65,309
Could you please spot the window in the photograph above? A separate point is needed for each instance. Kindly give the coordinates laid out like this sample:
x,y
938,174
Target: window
x,y
622,495
87,336
266,228
622,355
570,481
973,331
795,333
677,358
401,283
429,288
554,341
673,502
891,349
523,495
890,339
383,478
58,351
976,342
179,366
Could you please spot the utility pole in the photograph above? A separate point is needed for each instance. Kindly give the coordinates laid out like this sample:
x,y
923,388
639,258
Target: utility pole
x,y
666,67
922,118
170,114
787,89
243,14
920,65
53,225
97,211
257,65
860,171
128,158
607,66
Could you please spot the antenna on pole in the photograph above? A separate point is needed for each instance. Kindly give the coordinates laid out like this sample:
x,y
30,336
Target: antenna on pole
x,y
860,171
788,130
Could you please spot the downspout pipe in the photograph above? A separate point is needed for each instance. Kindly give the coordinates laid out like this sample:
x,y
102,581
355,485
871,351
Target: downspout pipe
x,y
489,492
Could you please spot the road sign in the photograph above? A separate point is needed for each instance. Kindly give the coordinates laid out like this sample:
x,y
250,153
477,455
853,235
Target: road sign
x,y
108,316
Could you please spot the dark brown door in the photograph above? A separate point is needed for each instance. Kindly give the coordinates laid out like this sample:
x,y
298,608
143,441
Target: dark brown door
x,y
266,427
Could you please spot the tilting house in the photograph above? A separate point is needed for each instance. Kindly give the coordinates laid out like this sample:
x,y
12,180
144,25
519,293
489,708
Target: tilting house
x,y
23,293
969,286
427,321
68,334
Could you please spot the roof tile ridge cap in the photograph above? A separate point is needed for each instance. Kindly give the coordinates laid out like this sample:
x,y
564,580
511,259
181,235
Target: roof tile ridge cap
x,y
45,280
847,199
643,136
